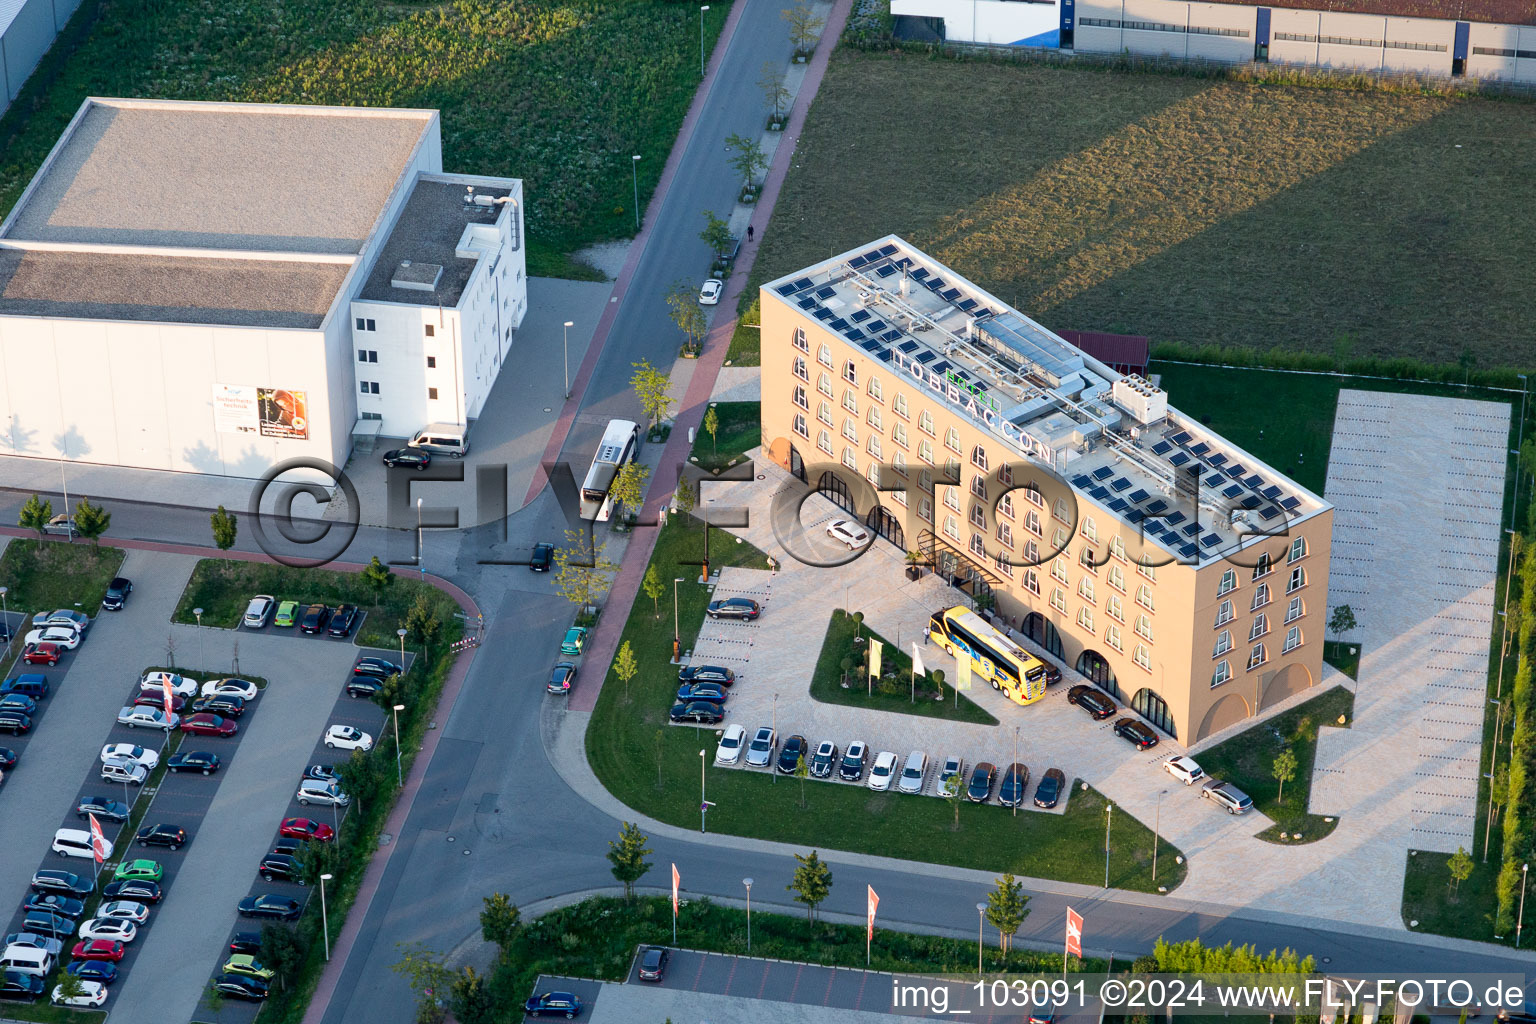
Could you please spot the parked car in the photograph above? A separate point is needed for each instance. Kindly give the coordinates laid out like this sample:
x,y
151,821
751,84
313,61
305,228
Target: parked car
x,y
117,594
574,641
46,922
851,767
170,836
979,790
28,684
287,614
119,770
237,986
130,752
347,737
1141,735
98,949
270,905
156,682
61,524
248,965
556,1004
78,621
204,724
93,970
245,942
242,688
88,994
109,928
281,867
42,654
259,611
709,294
226,704
313,791
913,773
148,717
883,772
364,687
124,910
140,870
714,693
151,699
193,761
315,618
728,750
543,557
653,963
343,619
824,760
699,713
378,668
17,702
407,458
8,758
53,903
707,674
735,608
53,880
954,768
133,889
323,772
20,986
1052,784
760,750
562,677
791,753
15,722
65,637
306,828
76,842
1014,785
31,940
1184,769
849,533
1092,701
1227,796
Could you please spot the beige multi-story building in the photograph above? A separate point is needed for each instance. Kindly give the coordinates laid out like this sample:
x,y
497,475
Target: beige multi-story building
x,y
1167,565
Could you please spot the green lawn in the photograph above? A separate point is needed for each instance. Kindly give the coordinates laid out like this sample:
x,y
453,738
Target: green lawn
x,y
44,1013
1183,208
893,691
740,430
629,736
1465,912
222,589
1247,760
1340,657
559,93
57,575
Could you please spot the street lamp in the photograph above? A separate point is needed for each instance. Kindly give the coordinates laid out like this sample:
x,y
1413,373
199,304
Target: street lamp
x,y
1520,923
325,922
567,347
748,883
1157,824
401,634
701,39
981,912
5,609
774,728
199,613
1109,814
677,634
1019,795
421,554
399,774
634,174
703,803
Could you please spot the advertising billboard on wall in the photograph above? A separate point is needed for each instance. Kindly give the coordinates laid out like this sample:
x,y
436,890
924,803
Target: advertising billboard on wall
x,y
270,412
234,409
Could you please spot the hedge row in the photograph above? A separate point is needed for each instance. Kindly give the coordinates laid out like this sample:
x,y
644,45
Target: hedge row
x,y
1520,811
1320,362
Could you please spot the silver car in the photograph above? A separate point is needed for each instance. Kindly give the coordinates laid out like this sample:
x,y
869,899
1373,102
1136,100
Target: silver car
x,y
760,750
913,774
314,791
954,767
1227,795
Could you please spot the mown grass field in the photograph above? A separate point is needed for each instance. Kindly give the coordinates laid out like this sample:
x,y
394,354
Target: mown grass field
x,y
1184,209
57,574
559,94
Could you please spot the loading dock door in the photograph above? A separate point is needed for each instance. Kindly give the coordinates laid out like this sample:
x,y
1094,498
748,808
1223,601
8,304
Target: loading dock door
x,y
1261,35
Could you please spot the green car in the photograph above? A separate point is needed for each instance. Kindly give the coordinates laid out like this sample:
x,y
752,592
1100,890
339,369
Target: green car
x,y
287,614
244,963
138,871
575,640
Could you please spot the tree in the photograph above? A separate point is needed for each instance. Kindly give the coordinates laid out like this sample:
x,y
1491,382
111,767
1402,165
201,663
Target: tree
x,y
650,385
422,626
316,859
225,527
35,515
429,978
1007,907
1500,785
1460,866
712,427
685,312
500,921
812,883
858,624
653,588
775,92
91,521
624,666
1342,622
362,776
1284,770
748,159
628,488
685,496
717,233
283,951
472,1001
1467,360
661,750
391,692
628,857
954,792
804,27
583,571
802,772
377,573
69,986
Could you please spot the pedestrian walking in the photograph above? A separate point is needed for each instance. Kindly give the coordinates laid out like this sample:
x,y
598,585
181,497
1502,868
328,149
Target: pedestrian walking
x,y
749,232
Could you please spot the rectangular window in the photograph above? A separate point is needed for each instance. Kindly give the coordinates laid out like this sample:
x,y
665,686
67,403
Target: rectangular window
x,y
801,427
1113,607
1223,643
1085,618
1228,582
1294,610
1222,674
875,390
1085,588
431,394
430,330
431,362
1144,597
900,405
800,398
899,434
1143,657
1292,638
1298,580
1224,613
874,417
368,387
952,440
851,402
1112,637
362,325
925,452
1059,599
925,422
1144,627
1298,550
367,356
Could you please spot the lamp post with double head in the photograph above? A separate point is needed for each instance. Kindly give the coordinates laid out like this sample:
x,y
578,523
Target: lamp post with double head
x,y
748,883
325,921
401,634
981,917
566,347
701,39
399,772
198,613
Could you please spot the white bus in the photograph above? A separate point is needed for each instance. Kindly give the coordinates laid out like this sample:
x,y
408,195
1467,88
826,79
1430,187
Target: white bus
x,y
620,444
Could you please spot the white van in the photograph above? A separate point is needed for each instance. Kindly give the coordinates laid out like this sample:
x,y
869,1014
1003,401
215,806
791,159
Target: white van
x,y
451,439
76,842
26,960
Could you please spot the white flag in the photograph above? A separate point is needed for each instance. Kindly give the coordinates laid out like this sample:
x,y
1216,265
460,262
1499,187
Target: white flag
x,y
917,661
962,671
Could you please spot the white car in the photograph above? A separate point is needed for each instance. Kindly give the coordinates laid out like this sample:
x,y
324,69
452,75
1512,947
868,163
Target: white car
x,y
883,772
848,533
913,774
259,611
124,910
63,617
67,637
32,940
709,295
92,993
109,928
760,750
62,523
242,688
181,686
728,751
118,770
1184,769
347,737
146,759
315,791
150,718
954,767
76,842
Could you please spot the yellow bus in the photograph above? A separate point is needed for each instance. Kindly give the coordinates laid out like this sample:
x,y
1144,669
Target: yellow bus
x,y
994,657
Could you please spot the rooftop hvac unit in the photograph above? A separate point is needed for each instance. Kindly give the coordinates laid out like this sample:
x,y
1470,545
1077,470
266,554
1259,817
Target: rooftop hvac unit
x,y
1143,402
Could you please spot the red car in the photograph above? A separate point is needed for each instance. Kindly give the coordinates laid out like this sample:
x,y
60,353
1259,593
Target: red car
x,y
98,949
306,828
147,699
42,654
205,724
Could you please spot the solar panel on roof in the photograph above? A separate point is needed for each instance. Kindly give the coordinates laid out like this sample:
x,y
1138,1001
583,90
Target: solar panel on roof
x,y
875,326
1253,481
1271,492
1178,458
890,336
888,249
983,312
1290,503
837,324
909,346
859,316
1098,493
1200,449
853,334
885,355
1251,501
1119,505
869,344
857,262
1269,512
940,368
785,289
872,256
950,294
1153,526
885,271
1135,515
809,302
926,358
1236,471
1192,530
937,284
905,261
1188,550
1181,437
967,304
1103,473
1162,448
825,292
1120,483
1232,491
1081,480
1210,540
921,273
822,314
1174,519
1217,460
1139,495
802,284
1157,507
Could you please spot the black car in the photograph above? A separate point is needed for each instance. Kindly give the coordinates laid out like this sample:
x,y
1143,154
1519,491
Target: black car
x,y
653,963
50,880
45,922
342,621
54,903
563,676
707,674
1136,732
245,942
21,986
364,687
979,790
314,618
103,971
1015,785
220,704
193,761
735,608
1092,701
323,772
701,712
378,668
1052,672
288,845
171,836
240,986
790,754
117,594
851,767
543,557
1050,788
823,760
408,458
271,905
137,890
7,758
15,722
712,692
283,867
104,809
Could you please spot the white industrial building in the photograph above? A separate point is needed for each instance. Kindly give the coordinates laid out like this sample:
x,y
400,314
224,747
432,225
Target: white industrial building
x,y
220,287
